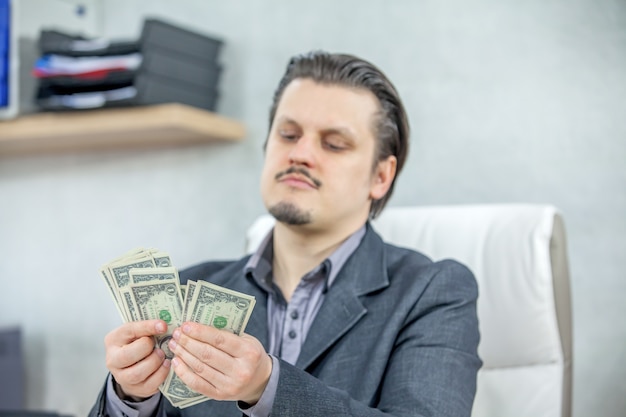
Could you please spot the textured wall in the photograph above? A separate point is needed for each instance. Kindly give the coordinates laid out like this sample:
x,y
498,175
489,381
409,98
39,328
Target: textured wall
x,y
509,101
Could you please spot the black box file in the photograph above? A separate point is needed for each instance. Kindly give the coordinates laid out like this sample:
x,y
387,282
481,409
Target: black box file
x,y
160,34
160,62
177,65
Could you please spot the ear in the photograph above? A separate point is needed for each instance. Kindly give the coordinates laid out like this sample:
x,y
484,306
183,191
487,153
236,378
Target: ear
x,y
383,176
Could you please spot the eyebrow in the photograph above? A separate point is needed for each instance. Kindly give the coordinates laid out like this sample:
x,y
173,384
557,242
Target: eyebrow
x,y
346,133
285,119
343,131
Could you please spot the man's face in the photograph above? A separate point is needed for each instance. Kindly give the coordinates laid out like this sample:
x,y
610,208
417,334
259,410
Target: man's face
x,y
319,157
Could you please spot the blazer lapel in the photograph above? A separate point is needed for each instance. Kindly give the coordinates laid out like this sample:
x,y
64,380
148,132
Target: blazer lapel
x,y
341,310
364,272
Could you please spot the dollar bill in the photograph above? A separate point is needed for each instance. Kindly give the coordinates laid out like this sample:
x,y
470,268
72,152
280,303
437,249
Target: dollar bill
x,y
137,276
145,285
161,259
178,393
220,307
183,293
104,273
116,272
119,270
215,306
129,307
191,287
159,300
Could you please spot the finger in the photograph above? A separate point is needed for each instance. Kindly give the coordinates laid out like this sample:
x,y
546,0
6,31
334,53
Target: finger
x,y
129,332
220,339
202,358
144,378
119,357
141,371
202,384
242,380
158,376
211,347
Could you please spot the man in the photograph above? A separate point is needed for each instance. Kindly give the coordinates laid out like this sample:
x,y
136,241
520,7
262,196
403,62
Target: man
x,y
344,324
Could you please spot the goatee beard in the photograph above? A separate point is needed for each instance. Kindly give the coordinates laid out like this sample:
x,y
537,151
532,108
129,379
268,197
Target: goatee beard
x,y
290,214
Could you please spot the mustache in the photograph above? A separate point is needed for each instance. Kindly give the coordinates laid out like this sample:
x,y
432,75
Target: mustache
x,y
301,171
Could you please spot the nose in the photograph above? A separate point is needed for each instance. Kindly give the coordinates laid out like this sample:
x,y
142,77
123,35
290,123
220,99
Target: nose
x,y
302,151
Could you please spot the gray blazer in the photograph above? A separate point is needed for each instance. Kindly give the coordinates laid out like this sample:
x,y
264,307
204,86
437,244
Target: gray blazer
x,y
396,336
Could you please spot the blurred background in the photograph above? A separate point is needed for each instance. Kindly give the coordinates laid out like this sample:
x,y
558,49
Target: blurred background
x,y
509,101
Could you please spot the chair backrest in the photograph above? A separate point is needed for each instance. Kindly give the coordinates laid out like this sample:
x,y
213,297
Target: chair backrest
x,y
519,257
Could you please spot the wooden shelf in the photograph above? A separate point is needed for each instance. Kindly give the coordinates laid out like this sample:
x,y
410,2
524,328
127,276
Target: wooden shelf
x,y
162,125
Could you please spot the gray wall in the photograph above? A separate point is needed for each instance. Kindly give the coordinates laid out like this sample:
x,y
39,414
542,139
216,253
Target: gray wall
x,y
509,101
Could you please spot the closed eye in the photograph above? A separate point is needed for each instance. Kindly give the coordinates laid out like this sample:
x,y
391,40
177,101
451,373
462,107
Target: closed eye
x,y
287,135
337,139
334,147
335,142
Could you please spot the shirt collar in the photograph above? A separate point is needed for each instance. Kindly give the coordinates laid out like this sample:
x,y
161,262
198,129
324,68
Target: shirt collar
x,y
259,266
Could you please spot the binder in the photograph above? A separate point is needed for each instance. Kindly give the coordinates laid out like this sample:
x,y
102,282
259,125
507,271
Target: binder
x,y
161,62
177,40
177,65
53,41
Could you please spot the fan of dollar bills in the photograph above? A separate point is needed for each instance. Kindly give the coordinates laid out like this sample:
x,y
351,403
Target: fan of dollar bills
x,y
145,285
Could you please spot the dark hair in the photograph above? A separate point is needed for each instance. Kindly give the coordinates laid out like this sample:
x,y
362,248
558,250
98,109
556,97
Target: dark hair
x,y
391,126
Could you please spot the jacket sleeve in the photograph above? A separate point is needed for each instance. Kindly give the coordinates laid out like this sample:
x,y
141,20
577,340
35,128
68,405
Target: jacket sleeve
x,y
98,409
431,370
103,407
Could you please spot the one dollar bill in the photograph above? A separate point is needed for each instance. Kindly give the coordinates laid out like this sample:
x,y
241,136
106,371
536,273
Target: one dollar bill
x,y
145,285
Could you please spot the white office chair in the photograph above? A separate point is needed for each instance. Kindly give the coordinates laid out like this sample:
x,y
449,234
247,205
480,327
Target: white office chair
x,y
519,257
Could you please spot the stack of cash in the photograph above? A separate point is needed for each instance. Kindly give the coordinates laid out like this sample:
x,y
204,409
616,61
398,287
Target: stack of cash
x,y
145,285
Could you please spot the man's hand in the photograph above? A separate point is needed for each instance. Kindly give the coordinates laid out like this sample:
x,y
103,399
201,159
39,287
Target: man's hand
x,y
220,364
138,368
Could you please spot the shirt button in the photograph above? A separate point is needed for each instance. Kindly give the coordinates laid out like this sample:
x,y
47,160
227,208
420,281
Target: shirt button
x,y
294,314
292,334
